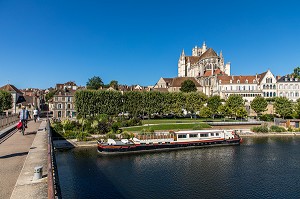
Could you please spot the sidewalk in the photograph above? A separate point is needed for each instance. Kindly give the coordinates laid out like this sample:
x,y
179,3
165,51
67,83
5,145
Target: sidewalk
x,y
13,153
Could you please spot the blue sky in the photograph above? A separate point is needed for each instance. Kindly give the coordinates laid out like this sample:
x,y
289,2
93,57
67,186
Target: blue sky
x,y
138,41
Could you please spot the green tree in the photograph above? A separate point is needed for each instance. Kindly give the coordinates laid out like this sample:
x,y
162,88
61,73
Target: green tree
x,y
297,108
224,111
114,84
195,101
213,103
283,106
205,112
188,86
234,102
50,95
242,112
5,100
259,104
297,72
94,83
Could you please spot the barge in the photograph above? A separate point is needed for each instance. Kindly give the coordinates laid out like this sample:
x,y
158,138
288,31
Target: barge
x,y
173,141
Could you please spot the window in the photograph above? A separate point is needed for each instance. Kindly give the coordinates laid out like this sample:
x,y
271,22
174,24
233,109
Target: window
x,y
296,94
274,94
212,134
280,86
203,135
68,106
182,136
59,114
193,135
217,134
238,81
59,106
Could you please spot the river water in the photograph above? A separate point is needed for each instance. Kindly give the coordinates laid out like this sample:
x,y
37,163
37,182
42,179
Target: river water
x,y
267,167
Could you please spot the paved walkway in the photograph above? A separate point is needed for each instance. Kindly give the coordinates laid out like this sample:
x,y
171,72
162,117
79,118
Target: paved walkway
x,y
13,153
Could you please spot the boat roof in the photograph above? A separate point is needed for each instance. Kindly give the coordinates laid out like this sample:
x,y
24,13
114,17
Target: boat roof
x,y
199,131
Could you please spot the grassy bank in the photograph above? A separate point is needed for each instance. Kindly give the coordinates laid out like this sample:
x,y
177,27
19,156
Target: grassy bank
x,y
186,120
168,127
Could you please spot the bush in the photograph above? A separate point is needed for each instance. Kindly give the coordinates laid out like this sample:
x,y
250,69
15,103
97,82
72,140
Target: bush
x,y
277,129
260,129
111,135
115,127
267,117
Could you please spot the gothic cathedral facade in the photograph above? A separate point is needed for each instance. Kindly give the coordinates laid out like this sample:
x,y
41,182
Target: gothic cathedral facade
x,y
203,62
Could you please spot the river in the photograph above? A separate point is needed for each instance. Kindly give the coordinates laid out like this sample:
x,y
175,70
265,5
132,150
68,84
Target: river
x,y
264,167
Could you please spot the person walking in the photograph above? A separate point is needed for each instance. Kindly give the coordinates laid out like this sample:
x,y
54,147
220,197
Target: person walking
x,y
35,114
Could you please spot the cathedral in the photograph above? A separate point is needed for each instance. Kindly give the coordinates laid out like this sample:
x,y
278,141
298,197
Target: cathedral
x,y
203,62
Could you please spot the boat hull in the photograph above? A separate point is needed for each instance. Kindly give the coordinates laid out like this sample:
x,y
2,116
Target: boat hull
x,y
108,150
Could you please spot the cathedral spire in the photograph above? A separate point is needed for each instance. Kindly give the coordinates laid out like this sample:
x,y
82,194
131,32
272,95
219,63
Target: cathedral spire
x,y
203,47
182,53
221,54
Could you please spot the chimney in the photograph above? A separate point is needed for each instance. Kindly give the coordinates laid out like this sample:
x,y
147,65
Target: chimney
x,y
278,77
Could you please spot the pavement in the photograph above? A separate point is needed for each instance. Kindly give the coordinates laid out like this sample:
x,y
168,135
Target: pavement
x,y
18,156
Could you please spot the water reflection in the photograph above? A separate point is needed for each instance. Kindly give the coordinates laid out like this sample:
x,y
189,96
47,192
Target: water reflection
x,y
259,168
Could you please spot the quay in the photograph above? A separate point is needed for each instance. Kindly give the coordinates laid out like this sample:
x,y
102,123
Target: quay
x,y
20,156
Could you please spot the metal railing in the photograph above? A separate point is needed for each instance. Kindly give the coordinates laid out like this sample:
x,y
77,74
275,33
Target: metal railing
x,y
9,120
53,179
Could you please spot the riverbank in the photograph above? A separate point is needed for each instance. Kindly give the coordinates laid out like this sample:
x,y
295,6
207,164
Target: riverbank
x,y
251,134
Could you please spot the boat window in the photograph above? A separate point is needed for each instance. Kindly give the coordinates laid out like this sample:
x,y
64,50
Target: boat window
x,y
203,135
217,134
212,134
182,136
193,135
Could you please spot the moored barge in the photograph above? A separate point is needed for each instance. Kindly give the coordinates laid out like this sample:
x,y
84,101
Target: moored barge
x,y
178,140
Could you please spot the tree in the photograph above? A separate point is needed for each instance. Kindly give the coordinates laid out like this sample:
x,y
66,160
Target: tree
x,y
205,112
259,104
194,101
5,100
188,86
283,107
50,95
234,102
94,83
213,103
297,108
224,111
242,112
297,72
114,84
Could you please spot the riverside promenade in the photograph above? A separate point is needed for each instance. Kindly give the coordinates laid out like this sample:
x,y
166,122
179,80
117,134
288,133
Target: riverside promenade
x,y
19,155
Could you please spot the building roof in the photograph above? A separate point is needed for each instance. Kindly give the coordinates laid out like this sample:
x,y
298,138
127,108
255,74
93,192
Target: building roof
x,y
288,78
225,79
167,80
177,81
208,54
160,89
192,59
216,72
10,88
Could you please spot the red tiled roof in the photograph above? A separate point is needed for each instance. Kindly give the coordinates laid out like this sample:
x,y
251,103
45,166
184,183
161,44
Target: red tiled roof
x,y
216,72
177,81
225,79
10,88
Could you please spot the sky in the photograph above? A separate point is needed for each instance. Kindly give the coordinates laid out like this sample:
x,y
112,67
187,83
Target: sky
x,y
138,41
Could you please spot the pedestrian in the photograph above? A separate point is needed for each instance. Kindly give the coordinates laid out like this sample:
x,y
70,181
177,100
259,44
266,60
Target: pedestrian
x,y
35,114
24,115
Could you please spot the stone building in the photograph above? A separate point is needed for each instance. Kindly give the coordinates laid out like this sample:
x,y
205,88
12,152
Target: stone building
x,y
289,86
203,62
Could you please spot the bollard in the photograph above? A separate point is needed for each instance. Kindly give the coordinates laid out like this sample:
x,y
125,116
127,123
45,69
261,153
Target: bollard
x,y
38,173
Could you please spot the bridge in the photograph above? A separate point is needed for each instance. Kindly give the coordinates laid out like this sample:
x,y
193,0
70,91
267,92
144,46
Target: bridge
x,y
27,162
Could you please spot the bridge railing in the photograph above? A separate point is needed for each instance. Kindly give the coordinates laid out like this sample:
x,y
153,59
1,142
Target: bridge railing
x,y
53,180
9,120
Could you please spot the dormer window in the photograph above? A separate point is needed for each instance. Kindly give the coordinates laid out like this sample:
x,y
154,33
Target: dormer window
x,y
220,81
238,81
254,81
230,81
285,79
246,81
